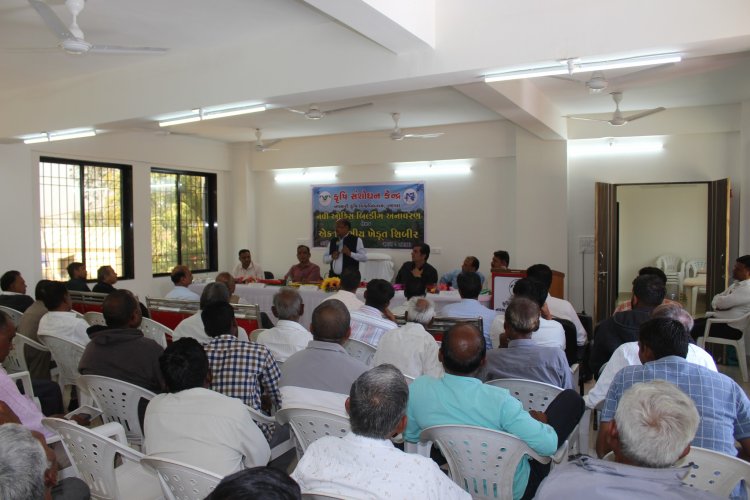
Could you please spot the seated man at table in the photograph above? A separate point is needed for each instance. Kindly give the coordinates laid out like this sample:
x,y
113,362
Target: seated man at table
x,y
460,398
288,336
729,304
182,278
418,267
364,463
470,265
524,358
305,271
246,269
500,261
373,319
13,292
198,426
77,281
321,374
350,280
192,326
469,288
651,430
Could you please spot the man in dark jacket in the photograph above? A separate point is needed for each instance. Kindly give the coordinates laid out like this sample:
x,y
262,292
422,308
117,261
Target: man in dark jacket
x,y
648,292
77,281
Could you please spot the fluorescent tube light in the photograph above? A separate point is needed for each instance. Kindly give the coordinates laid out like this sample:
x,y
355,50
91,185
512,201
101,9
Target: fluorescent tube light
x,y
527,73
305,176
35,139
433,170
232,112
633,62
193,116
209,113
71,134
616,146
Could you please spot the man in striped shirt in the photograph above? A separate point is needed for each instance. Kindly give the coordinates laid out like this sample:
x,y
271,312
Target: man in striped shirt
x,y
373,319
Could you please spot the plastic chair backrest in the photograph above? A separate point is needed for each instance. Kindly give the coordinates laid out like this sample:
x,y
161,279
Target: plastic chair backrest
x,y
15,316
15,361
67,355
715,472
95,318
481,461
361,351
668,263
181,481
533,395
155,331
118,401
693,267
310,424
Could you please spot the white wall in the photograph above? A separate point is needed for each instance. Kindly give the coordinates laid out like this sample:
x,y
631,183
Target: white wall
x,y
660,219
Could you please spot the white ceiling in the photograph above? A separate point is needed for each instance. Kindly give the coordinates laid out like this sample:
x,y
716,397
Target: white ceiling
x,y
251,36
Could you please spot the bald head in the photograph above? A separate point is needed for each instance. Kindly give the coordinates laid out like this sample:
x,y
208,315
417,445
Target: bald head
x,y
463,350
330,322
227,279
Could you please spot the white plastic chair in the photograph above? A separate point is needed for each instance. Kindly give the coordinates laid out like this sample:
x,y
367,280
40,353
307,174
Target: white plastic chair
x,y
95,318
28,389
738,344
262,418
671,265
67,355
481,461
15,315
361,351
118,402
16,359
156,331
93,453
309,425
180,481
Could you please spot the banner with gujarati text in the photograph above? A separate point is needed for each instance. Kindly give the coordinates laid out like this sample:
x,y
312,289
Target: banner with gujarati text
x,y
383,215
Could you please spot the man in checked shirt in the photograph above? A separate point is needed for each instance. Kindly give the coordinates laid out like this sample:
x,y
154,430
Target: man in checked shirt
x,y
239,369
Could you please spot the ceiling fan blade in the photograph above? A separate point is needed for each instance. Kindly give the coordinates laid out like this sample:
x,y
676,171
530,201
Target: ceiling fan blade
x,y
269,144
423,136
583,118
117,49
637,76
643,114
299,112
566,78
329,111
51,20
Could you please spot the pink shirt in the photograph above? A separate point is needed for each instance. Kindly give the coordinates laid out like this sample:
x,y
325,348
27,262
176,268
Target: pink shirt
x,y
26,410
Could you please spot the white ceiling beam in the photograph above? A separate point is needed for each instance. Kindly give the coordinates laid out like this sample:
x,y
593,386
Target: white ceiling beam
x,y
400,26
521,102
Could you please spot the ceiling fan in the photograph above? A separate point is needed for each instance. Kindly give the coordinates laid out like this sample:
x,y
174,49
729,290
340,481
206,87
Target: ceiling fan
x,y
398,135
617,118
315,113
262,148
598,82
72,39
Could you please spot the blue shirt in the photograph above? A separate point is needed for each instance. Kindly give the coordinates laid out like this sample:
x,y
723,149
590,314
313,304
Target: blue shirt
x,y
524,358
451,278
471,308
722,405
467,401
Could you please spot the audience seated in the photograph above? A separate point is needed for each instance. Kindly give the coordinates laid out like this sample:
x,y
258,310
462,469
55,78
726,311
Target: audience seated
x,y
558,308
192,326
246,269
418,267
61,321
106,277
13,292
182,278
550,332
524,358
500,261
414,290
77,281
231,284
650,431
350,280
470,265
648,292
469,288
322,373
29,468
628,304
373,319
461,398
305,271
198,426
722,404
627,354
263,483
288,336
38,361
364,463
729,304
410,347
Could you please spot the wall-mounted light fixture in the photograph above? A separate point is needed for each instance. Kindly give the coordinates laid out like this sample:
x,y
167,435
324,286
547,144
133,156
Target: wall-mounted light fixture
x,y
306,175
615,146
58,135
433,169
210,113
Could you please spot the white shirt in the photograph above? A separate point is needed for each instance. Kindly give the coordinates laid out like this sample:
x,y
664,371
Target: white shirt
x,y
348,298
286,338
368,325
182,293
735,302
627,355
252,271
563,309
65,325
411,349
205,429
357,467
192,326
550,332
360,254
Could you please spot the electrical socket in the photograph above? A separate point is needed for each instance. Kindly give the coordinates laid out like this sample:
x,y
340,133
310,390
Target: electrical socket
x,y
586,244
436,250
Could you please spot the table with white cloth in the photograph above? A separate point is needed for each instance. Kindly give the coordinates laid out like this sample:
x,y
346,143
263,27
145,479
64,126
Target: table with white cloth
x,y
261,294
377,265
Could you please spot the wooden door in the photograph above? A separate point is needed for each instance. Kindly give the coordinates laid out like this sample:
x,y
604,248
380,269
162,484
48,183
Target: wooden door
x,y
605,251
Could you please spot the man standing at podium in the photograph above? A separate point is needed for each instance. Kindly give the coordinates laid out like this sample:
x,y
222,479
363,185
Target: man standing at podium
x,y
345,249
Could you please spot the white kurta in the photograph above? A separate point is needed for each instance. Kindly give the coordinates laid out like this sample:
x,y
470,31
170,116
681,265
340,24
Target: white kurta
x,y
411,349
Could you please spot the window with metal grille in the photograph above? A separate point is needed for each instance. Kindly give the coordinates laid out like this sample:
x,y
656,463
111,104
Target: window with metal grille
x,y
183,221
86,215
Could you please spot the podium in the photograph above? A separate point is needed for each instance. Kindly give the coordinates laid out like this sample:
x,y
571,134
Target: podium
x,y
502,287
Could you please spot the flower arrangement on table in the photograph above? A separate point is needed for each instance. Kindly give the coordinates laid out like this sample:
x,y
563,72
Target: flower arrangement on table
x,y
330,284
